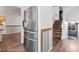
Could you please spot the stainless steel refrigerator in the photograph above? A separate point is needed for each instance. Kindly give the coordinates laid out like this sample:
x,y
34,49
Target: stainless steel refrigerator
x,y
30,25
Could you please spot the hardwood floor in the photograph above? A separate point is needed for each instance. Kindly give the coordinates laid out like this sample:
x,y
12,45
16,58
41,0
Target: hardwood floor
x,y
58,47
66,45
11,43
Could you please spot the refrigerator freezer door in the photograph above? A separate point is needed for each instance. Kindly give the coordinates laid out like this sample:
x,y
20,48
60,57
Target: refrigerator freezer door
x,y
30,45
31,35
31,18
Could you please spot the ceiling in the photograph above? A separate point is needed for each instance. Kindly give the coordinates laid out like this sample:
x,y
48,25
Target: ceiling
x,y
10,10
22,6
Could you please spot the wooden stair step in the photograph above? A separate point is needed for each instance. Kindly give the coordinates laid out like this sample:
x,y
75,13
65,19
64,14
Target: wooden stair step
x,y
57,33
57,30
58,21
56,40
57,36
57,25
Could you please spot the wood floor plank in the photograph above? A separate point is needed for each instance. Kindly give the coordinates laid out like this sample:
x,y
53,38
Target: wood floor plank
x,y
12,43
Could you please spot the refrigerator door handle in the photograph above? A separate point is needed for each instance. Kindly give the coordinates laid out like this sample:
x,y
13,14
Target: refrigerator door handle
x,y
23,23
27,21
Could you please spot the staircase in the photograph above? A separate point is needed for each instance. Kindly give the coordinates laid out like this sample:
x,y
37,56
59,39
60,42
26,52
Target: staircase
x,y
57,32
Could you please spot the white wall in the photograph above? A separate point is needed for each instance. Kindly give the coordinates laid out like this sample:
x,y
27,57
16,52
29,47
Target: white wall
x,y
12,20
73,15
46,20
64,26
56,12
46,16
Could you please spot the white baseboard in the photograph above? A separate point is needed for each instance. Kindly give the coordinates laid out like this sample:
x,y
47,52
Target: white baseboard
x,y
50,49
